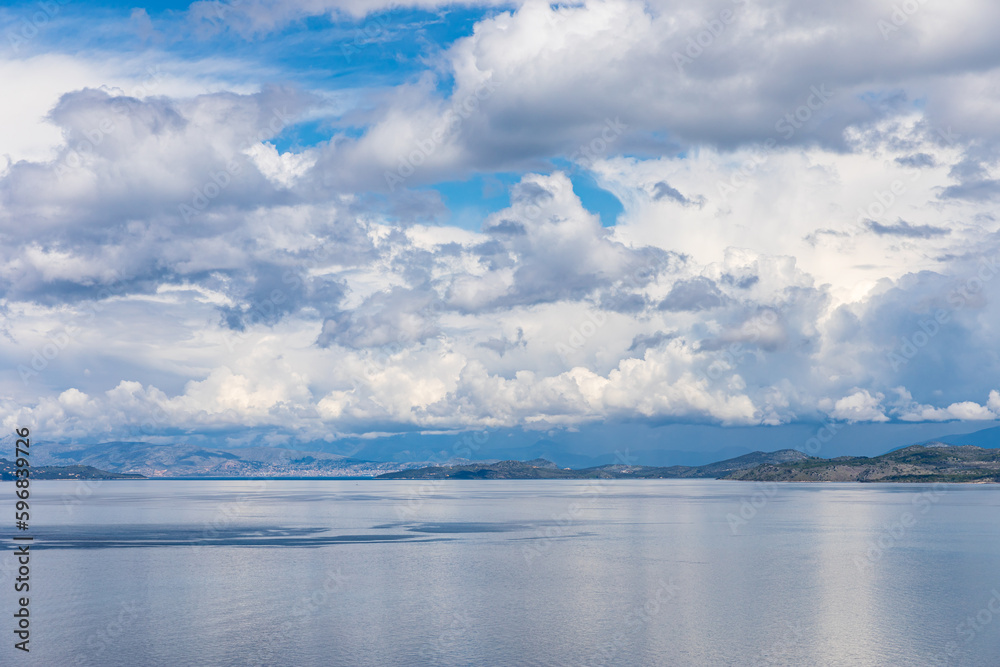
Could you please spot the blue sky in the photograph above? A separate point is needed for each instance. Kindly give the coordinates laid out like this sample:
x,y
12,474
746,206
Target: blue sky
x,y
293,222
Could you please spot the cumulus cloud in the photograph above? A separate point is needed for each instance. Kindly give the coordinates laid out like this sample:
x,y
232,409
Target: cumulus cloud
x,y
860,406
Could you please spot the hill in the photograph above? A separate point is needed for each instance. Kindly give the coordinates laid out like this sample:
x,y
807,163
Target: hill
x,y
7,469
934,462
543,469
534,469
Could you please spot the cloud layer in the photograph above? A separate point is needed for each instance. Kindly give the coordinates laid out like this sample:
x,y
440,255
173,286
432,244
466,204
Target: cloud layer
x,y
807,228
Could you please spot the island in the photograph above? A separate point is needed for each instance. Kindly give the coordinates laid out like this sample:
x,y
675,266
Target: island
x,y
930,462
7,469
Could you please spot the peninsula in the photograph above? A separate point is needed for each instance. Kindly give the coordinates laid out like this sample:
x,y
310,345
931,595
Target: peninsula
x,y
930,462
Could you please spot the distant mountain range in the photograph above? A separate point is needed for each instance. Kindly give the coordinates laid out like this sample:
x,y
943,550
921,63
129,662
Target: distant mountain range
x,y
987,437
965,462
151,460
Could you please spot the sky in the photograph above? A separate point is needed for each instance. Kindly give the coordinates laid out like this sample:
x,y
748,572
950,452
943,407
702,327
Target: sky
x,y
263,222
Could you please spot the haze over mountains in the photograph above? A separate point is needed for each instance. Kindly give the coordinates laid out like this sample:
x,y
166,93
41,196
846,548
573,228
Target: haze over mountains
x,y
182,460
663,445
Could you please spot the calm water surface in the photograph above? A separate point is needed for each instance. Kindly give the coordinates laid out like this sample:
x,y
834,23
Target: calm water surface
x,y
673,572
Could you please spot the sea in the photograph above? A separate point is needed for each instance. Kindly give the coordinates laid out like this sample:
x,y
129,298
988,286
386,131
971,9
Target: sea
x,y
367,572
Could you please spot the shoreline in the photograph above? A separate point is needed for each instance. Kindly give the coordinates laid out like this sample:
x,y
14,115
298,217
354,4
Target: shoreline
x,y
512,479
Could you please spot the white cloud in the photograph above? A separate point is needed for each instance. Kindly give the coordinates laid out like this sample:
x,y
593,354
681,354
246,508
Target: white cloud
x,y
964,410
860,406
282,169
